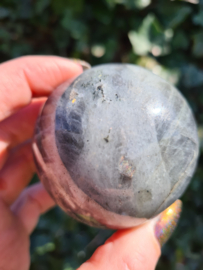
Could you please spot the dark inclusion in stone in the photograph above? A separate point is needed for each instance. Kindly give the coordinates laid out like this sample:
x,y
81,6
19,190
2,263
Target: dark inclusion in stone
x,y
127,138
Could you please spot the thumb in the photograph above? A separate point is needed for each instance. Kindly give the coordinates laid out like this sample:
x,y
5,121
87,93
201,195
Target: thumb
x,y
137,248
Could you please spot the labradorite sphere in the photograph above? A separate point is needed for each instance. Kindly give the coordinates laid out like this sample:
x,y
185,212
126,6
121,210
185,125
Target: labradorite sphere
x,y
116,146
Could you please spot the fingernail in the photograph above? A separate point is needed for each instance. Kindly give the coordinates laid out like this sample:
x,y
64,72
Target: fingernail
x,y
167,222
84,64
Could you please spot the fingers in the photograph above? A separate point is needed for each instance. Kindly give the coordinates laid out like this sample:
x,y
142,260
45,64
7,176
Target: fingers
x,y
16,173
138,248
14,240
132,249
29,76
33,202
18,128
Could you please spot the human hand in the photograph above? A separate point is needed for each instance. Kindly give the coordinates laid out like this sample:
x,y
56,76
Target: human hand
x,y
25,84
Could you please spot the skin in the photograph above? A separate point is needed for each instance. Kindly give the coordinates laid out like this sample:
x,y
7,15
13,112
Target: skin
x,y
25,84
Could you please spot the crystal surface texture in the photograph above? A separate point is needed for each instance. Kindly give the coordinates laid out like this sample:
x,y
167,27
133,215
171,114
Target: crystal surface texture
x,y
116,146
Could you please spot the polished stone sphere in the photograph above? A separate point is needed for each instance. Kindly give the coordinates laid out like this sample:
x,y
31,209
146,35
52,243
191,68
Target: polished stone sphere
x,y
116,146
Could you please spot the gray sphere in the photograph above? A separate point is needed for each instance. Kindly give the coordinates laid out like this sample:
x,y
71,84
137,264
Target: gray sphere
x,y
116,146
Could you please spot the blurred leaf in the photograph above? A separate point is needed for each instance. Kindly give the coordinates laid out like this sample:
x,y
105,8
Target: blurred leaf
x,y
4,34
67,19
198,19
74,6
48,247
110,46
20,49
198,44
68,267
4,12
142,3
61,38
58,6
192,76
41,5
174,14
190,1
150,37
102,14
76,28
140,39
179,16
180,40
25,9
110,3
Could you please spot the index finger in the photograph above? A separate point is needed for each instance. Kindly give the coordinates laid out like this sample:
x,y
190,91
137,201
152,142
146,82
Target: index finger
x,y
28,76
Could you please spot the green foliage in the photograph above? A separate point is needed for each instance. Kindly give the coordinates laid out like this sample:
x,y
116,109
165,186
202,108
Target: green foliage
x,y
161,35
